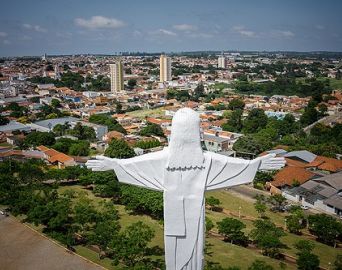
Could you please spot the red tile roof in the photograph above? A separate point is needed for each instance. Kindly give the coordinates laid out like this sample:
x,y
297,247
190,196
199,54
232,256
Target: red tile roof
x,y
290,174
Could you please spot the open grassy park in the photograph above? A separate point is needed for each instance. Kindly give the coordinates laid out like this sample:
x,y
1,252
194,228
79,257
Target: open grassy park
x,y
141,114
218,251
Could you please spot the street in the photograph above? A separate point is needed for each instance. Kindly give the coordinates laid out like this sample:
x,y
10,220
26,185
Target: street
x,y
21,248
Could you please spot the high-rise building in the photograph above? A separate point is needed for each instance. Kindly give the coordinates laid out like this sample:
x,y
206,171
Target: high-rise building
x,y
222,62
165,68
116,77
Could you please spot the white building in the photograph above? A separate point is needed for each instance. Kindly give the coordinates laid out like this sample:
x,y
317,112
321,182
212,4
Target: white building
x,y
221,62
165,68
116,77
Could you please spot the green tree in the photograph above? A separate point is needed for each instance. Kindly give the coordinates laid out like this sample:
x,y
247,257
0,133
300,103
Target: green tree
x,y
250,144
63,145
209,225
199,90
322,109
81,148
60,129
231,229
260,265
37,138
212,202
310,115
260,205
104,119
119,149
83,132
234,122
236,104
131,246
131,83
255,121
261,178
152,129
338,262
55,103
277,201
147,144
142,201
267,237
326,228
3,120
306,260
84,214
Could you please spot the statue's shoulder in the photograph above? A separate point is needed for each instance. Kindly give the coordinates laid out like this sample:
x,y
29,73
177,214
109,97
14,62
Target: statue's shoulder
x,y
156,155
222,158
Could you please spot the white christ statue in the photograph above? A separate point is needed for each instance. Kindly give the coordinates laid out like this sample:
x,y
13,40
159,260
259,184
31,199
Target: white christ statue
x,y
183,172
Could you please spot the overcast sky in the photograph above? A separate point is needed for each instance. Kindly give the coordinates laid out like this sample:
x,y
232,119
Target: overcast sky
x,y
36,27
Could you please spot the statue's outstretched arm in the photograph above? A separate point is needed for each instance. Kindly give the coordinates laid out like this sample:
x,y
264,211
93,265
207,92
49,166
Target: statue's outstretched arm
x,y
227,171
143,171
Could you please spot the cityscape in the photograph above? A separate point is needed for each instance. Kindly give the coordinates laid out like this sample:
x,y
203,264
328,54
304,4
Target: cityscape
x,y
81,88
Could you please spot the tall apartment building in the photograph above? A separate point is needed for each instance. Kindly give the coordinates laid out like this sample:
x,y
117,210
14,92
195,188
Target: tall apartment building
x,y
165,68
116,77
222,62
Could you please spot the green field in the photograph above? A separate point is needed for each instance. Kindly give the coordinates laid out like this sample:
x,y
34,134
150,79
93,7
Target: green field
x,y
159,112
334,83
223,253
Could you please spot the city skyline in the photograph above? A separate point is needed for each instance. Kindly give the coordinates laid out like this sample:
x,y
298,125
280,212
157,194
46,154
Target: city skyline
x,y
105,27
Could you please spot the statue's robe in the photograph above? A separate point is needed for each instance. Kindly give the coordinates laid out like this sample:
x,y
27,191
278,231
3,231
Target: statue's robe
x,y
184,205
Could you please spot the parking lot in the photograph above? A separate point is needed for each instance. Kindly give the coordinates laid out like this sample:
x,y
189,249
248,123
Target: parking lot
x,y
21,248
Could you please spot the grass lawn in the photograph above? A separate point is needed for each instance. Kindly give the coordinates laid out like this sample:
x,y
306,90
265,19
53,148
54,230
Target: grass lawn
x,y
158,112
231,255
230,202
94,257
5,144
223,253
334,83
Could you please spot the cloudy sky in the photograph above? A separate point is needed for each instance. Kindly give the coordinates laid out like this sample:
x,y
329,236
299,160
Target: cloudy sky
x,y
36,27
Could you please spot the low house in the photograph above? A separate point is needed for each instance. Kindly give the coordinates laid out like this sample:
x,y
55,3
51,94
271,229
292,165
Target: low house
x,y
14,126
112,134
56,158
215,143
49,124
291,176
322,193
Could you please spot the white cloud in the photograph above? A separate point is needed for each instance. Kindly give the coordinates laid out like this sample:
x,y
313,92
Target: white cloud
x,y
243,31
3,34
283,33
6,42
320,27
36,28
201,35
163,32
99,22
184,27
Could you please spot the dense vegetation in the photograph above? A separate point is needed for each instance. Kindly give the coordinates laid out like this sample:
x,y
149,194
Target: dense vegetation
x,y
107,120
75,81
73,219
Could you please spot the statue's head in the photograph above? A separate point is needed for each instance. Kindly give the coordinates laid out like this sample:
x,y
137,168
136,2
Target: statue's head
x,y
185,142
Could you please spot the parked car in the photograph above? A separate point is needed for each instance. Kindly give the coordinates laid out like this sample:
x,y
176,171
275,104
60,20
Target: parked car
x,y
304,207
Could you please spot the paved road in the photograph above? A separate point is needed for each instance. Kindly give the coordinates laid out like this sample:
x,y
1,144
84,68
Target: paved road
x,y
21,248
325,120
247,192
